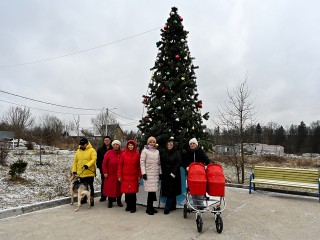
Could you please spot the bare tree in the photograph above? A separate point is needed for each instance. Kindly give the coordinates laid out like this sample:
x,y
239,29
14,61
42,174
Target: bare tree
x,y
101,122
19,119
51,128
237,113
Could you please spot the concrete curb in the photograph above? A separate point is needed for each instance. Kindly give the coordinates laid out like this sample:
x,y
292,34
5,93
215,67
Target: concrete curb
x,y
12,212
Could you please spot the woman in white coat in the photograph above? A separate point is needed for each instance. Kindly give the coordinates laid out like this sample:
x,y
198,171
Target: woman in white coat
x,y
151,170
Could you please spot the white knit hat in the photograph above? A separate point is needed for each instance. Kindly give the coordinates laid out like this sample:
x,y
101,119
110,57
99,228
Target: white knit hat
x,y
116,142
193,140
151,139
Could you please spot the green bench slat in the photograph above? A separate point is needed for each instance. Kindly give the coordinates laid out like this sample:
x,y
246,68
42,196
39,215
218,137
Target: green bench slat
x,y
285,183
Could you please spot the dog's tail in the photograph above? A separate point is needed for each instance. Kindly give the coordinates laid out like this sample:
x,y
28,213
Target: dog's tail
x,y
86,192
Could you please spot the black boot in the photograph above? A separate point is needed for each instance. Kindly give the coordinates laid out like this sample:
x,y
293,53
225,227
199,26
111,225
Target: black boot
x,y
119,203
154,210
109,204
149,211
133,207
91,201
133,210
102,199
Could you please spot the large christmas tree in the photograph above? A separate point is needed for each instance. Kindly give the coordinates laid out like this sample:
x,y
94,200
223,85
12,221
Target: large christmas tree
x,y
172,102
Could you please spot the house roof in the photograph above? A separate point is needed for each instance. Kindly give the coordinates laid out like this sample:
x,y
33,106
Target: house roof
x,y
6,135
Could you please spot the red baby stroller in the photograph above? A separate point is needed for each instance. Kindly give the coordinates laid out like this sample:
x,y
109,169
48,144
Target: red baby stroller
x,y
210,185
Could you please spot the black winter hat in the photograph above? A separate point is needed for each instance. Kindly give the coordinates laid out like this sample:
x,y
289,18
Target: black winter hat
x,y
83,141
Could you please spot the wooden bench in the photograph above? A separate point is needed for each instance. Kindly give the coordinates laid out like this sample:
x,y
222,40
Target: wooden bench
x,y
288,177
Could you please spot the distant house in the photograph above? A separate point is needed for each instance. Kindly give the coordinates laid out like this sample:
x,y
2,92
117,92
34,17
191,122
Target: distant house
x,y
6,135
113,130
250,149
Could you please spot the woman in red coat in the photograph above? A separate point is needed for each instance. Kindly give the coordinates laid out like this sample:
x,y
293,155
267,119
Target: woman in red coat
x,y
129,173
111,187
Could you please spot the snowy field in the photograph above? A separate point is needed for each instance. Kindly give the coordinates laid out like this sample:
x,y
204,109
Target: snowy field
x,y
40,182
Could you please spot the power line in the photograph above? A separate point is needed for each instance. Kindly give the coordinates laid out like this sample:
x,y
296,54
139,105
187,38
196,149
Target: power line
x,y
78,52
16,95
129,123
53,104
123,116
46,110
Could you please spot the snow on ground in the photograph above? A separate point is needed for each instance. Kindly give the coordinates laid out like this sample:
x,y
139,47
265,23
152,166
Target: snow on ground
x,y
42,181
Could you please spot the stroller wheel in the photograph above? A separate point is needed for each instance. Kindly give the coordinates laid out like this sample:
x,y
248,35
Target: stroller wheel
x,y
219,223
185,210
199,223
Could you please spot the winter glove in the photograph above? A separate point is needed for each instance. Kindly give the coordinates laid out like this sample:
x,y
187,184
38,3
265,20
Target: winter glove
x,y
160,176
144,176
85,166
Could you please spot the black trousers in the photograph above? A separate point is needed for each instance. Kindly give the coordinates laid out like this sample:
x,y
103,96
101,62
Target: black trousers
x,y
131,200
88,180
151,198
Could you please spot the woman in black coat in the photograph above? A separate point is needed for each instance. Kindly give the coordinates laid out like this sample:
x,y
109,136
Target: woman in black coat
x,y
171,181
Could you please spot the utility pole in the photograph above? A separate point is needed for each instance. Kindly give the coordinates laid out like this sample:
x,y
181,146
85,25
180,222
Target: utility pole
x,y
107,119
77,124
107,115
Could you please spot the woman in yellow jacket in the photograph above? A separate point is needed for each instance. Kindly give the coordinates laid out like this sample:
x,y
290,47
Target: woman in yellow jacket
x,y
84,163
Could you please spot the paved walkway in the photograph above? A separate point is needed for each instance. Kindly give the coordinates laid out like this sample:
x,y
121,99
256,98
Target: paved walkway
x,y
261,215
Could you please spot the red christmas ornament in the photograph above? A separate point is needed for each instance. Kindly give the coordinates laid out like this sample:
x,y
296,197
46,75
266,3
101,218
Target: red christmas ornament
x,y
145,99
181,19
200,105
177,56
163,88
165,27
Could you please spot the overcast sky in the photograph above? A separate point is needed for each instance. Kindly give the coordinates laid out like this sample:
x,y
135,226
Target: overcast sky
x,y
275,41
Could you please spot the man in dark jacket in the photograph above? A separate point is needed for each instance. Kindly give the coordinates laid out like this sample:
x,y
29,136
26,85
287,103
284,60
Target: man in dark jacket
x,y
100,155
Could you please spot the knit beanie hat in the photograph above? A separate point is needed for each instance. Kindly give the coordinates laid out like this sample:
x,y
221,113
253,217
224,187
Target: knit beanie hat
x,y
151,139
83,141
193,140
116,142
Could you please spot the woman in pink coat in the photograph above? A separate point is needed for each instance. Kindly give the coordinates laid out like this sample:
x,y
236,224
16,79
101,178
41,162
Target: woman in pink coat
x,y
129,174
111,187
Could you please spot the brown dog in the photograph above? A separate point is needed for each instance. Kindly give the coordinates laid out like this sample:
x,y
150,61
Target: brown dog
x,y
81,189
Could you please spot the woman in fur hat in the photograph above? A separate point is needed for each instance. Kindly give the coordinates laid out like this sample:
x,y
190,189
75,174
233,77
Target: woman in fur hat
x,y
150,169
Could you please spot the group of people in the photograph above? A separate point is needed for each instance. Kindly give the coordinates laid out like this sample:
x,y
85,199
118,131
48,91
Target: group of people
x,y
121,170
